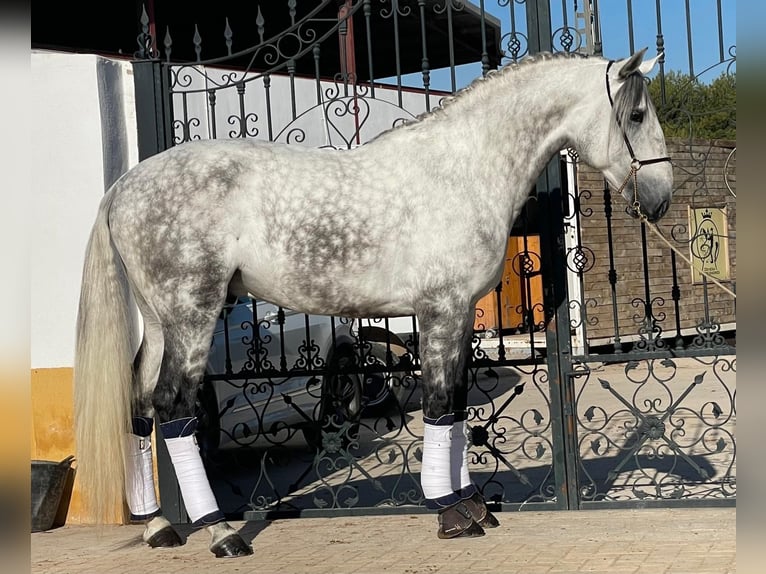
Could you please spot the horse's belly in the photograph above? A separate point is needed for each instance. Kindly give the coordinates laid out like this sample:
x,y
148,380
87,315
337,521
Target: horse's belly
x,y
332,290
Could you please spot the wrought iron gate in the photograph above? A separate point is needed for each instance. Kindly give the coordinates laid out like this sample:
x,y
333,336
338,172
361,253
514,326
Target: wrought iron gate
x,y
603,369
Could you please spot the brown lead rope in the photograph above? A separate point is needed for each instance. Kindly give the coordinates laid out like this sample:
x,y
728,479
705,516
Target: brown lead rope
x,y
659,234
633,173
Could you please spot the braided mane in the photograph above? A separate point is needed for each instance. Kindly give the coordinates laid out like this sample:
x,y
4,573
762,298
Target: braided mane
x,y
478,83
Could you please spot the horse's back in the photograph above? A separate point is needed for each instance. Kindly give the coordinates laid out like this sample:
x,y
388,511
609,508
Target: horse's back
x,y
300,224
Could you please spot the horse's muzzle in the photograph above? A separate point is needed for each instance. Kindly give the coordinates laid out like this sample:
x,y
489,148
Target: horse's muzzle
x,y
659,211
651,215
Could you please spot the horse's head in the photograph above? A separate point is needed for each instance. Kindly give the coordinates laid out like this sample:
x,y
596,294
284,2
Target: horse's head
x,y
630,146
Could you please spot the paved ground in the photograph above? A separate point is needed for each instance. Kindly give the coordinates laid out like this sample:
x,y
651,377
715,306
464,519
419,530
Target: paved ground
x,y
648,541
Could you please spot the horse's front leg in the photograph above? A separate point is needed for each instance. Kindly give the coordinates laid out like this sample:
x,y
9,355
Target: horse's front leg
x,y
446,482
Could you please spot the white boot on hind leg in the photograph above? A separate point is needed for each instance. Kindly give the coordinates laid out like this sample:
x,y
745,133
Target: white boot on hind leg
x,y
139,488
139,477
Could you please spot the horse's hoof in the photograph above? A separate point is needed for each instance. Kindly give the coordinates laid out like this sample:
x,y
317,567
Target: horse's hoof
x,y
231,547
480,513
165,538
457,522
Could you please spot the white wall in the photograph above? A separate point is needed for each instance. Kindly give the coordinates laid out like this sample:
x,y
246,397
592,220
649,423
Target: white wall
x,y
81,105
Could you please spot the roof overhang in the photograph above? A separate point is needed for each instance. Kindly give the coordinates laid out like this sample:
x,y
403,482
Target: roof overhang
x,y
86,26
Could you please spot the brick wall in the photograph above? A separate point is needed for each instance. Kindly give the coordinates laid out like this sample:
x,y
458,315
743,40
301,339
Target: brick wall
x,y
699,167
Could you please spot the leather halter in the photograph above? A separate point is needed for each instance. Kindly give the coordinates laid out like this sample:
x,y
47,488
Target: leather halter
x,y
638,163
635,163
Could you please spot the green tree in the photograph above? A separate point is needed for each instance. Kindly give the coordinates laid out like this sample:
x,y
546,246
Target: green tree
x,y
694,109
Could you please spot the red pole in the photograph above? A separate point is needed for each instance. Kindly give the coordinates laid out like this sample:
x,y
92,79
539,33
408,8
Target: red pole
x,y
348,59
152,24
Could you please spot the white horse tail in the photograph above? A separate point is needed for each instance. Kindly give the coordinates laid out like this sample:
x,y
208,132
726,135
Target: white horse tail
x,y
102,375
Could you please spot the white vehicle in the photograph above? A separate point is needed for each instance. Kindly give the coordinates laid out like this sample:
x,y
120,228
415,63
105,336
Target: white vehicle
x,y
258,390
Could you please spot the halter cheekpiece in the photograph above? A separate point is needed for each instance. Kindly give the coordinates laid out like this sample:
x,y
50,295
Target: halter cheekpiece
x,y
635,163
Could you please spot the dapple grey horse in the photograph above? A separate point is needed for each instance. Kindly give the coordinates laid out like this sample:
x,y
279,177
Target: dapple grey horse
x,y
414,222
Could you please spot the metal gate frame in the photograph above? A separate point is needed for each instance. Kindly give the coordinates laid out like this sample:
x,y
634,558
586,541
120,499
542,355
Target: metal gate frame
x,y
566,366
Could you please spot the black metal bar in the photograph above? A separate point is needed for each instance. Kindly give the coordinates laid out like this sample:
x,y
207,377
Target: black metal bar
x,y
291,75
649,321
689,38
397,54
267,96
317,74
171,501
484,53
661,50
424,64
451,41
368,27
676,294
557,340
154,113
549,192
612,275
226,341
499,318
514,43
211,100
720,31
242,115
598,48
631,40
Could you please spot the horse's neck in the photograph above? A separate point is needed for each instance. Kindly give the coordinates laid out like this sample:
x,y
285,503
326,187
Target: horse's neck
x,y
521,119
504,131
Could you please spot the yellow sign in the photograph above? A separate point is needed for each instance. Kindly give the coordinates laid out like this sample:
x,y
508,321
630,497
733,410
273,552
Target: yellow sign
x,y
709,242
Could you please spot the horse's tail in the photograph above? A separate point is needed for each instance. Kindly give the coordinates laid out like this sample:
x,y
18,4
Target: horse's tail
x,y
102,375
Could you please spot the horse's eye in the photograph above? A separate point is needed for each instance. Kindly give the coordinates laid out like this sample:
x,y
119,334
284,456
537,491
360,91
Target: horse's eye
x,y
637,116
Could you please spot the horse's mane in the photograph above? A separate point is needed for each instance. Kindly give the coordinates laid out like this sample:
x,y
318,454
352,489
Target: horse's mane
x,y
504,71
479,82
627,98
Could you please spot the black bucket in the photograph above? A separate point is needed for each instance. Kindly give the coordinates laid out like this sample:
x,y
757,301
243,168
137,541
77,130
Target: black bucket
x,y
51,490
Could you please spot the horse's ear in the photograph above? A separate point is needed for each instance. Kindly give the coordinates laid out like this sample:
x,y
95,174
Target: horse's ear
x,y
632,64
647,65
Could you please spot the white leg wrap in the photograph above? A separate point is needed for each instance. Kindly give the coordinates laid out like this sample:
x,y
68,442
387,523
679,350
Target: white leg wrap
x,y
139,482
195,487
436,473
459,462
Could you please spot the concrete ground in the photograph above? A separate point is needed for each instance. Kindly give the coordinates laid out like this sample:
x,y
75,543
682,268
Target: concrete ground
x,y
646,541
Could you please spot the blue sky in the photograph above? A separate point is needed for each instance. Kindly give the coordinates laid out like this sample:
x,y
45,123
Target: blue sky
x,y
708,49
706,45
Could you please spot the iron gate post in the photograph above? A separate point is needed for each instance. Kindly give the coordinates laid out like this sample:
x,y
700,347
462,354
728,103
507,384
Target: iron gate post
x,y
153,108
155,134
550,192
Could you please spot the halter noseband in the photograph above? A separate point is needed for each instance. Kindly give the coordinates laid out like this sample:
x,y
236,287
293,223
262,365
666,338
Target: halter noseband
x,y
635,163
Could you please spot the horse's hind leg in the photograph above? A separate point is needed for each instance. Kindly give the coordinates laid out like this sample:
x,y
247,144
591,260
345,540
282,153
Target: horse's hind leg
x,y
446,482
139,488
187,341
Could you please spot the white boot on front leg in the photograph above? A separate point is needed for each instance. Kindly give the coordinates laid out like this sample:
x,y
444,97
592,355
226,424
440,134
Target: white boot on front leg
x,y
468,491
